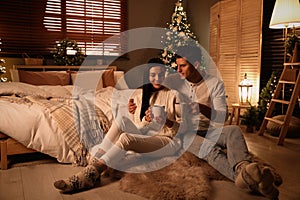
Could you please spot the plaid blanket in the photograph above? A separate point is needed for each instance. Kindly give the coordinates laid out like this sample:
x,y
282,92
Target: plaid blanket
x,y
83,125
90,121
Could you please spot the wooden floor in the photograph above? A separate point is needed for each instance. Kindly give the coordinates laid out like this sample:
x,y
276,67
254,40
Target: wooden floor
x,y
34,180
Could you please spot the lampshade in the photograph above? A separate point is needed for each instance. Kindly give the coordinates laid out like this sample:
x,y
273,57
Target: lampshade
x,y
286,14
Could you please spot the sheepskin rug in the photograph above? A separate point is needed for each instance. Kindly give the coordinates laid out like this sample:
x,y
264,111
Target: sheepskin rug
x,y
186,178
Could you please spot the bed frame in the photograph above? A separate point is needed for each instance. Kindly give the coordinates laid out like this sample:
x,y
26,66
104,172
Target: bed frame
x,y
9,146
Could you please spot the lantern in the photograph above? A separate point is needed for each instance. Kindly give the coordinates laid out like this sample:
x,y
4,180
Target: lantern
x,y
245,90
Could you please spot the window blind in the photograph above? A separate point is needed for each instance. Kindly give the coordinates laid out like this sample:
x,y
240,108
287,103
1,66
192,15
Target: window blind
x,y
34,27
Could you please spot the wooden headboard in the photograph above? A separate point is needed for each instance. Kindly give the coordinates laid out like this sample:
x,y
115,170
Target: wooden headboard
x,y
55,67
118,75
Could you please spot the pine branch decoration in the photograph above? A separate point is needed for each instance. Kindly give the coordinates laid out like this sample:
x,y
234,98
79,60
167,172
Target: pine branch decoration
x,y
62,57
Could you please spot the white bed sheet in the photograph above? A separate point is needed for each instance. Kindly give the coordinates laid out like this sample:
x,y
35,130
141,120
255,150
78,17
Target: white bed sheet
x,y
33,127
30,125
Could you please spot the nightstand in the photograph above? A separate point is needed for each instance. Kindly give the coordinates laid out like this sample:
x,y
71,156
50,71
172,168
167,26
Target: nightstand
x,y
236,108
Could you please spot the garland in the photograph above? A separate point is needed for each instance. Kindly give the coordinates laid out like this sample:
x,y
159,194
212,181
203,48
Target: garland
x,y
2,71
290,42
61,55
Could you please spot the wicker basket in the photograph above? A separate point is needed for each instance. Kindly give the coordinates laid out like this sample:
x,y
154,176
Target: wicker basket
x,y
32,61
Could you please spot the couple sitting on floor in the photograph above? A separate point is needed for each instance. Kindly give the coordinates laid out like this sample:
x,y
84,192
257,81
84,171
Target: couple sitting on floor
x,y
194,108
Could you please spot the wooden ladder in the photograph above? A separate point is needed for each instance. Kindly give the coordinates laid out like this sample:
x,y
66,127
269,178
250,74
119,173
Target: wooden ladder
x,y
289,68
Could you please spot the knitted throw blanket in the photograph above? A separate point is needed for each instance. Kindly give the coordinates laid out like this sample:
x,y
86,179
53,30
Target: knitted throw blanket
x,y
90,121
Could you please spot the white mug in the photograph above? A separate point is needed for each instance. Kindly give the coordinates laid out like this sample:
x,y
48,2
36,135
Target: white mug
x,y
157,111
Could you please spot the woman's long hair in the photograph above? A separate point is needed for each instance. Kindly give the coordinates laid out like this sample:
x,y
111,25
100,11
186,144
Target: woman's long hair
x,y
148,89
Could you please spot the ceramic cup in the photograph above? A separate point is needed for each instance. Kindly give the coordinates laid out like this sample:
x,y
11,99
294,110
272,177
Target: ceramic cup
x,y
157,111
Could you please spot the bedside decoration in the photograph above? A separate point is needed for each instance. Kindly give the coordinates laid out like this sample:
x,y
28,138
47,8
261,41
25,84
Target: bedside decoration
x,y
32,61
250,118
2,71
67,52
245,90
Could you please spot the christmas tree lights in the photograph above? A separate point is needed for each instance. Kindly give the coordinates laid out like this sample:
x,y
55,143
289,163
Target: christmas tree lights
x,y
2,71
178,34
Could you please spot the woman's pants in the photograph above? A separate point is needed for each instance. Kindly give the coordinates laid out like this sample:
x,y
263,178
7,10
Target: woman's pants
x,y
116,143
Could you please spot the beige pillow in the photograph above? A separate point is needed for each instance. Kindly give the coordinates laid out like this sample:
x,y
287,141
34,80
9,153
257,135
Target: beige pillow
x,y
88,79
44,78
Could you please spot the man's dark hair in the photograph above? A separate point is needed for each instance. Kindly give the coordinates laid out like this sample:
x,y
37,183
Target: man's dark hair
x,y
191,53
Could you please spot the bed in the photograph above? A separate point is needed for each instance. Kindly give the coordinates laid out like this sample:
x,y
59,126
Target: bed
x,y
37,109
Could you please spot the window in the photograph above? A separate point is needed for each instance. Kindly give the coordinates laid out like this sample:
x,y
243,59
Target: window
x,y
34,27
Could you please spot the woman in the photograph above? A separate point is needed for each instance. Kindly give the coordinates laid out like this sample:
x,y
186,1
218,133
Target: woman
x,y
146,138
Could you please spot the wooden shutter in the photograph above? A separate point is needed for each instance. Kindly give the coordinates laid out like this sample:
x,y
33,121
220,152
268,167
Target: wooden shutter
x,y
235,43
214,33
250,44
225,44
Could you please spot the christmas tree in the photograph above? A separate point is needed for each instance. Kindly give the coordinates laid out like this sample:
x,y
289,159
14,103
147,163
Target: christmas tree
x,y
266,95
178,34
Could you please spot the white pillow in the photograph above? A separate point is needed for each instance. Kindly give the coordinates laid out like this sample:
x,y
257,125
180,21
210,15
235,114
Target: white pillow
x,y
88,80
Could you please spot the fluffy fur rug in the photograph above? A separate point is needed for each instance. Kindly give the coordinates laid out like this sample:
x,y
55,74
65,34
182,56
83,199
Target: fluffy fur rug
x,y
187,178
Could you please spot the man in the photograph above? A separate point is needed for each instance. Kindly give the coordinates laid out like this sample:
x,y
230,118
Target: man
x,y
224,148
